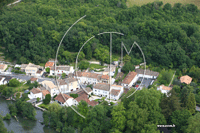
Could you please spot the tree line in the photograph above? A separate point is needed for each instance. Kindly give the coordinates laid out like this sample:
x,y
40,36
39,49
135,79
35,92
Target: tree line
x,y
169,36
141,112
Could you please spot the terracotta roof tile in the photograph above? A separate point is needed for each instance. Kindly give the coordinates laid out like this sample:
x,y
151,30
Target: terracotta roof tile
x,y
82,97
165,87
2,66
35,90
89,75
88,89
186,79
44,92
115,92
105,77
93,103
102,86
39,71
61,99
49,64
129,77
33,79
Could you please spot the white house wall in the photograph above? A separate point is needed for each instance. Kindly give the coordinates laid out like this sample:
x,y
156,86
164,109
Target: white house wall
x,y
31,95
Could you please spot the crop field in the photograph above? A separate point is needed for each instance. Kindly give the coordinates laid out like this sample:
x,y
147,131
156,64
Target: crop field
x,y
130,3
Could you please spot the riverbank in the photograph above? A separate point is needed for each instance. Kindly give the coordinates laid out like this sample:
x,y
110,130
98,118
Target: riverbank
x,y
24,125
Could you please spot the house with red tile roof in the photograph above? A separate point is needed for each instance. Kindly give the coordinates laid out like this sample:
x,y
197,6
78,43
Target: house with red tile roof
x,y
64,100
105,79
44,93
49,64
130,79
164,89
33,80
35,93
105,90
84,97
3,67
116,92
88,77
61,69
186,79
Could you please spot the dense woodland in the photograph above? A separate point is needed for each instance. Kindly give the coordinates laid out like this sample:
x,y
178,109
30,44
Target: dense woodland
x,y
140,113
169,36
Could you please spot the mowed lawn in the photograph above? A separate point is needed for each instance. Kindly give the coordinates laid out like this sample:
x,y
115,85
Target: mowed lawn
x,y
130,3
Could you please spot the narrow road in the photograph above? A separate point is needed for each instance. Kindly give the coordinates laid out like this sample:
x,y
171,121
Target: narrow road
x,y
26,77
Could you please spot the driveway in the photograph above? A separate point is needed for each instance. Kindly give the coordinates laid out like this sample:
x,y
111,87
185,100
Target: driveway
x,y
146,82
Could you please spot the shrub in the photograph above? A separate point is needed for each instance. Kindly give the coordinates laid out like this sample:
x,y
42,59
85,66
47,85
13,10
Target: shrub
x,y
47,99
14,83
7,117
74,95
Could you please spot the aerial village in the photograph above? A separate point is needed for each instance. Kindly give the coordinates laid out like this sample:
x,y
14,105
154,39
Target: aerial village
x,y
86,85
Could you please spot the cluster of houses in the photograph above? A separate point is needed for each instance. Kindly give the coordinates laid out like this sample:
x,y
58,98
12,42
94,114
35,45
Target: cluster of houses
x,y
37,70
62,97
103,83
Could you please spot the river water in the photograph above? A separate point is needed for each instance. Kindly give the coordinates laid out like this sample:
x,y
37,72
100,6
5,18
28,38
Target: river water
x,y
23,126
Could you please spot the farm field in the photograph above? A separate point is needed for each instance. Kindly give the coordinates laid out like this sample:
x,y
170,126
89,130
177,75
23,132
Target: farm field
x,y
130,3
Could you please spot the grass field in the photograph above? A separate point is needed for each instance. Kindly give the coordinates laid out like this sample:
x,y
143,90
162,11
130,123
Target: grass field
x,y
96,66
44,106
130,3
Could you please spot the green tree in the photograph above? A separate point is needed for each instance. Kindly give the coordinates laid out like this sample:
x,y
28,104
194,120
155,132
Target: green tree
x,y
68,130
47,70
47,99
68,56
54,107
97,121
28,110
191,103
63,75
170,104
14,83
177,89
136,117
118,117
17,95
38,99
180,118
88,53
184,94
2,127
128,67
81,56
193,124
13,109
8,92
7,117
46,118
2,87
83,65
126,58
82,109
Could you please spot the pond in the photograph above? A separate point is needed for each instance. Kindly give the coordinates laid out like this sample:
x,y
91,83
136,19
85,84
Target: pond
x,y
24,125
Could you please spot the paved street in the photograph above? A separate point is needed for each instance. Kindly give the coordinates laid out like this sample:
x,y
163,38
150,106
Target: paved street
x,y
26,77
